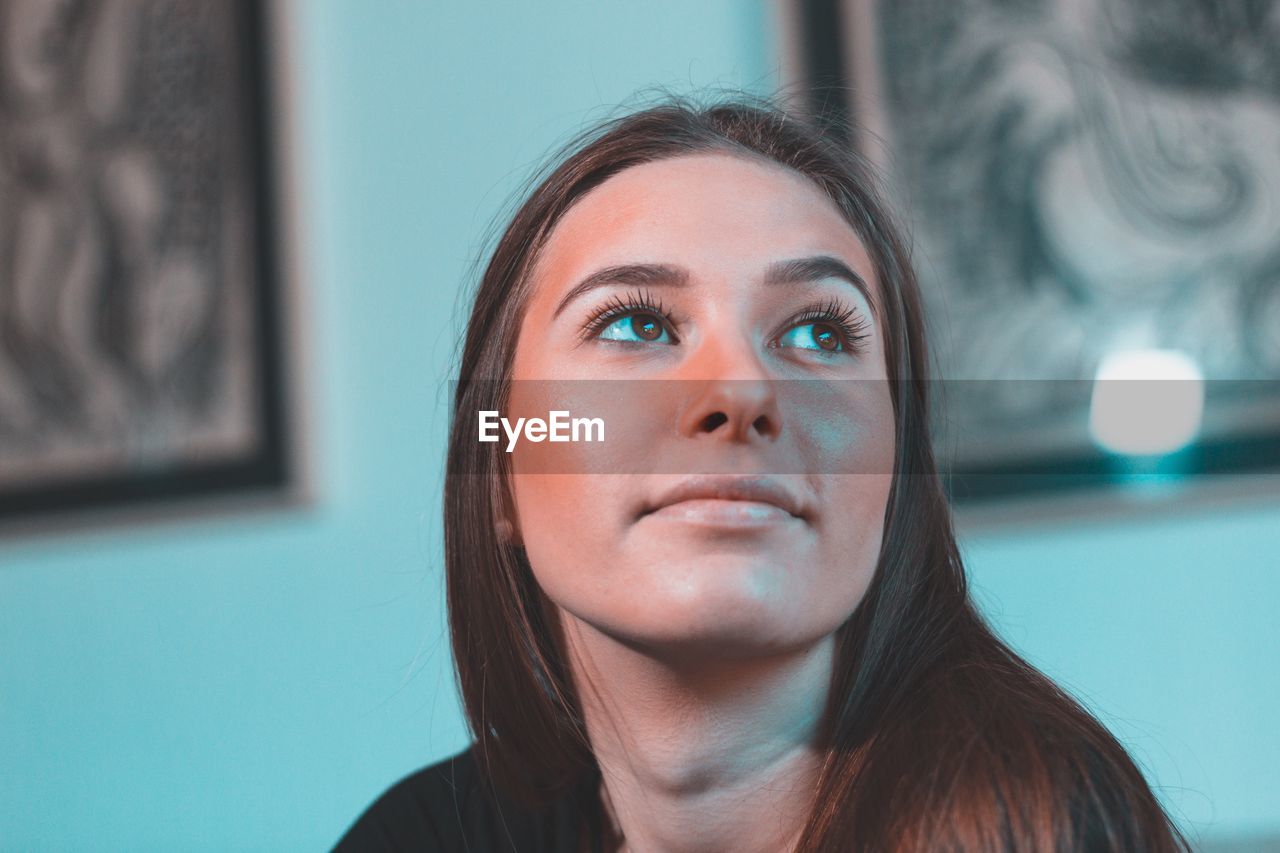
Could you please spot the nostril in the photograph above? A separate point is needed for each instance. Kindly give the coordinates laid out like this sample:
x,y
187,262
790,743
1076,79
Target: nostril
x,y
763,425
714,421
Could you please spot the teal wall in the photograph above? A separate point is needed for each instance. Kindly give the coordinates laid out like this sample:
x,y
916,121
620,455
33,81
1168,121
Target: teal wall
x,y
251,681
1166,627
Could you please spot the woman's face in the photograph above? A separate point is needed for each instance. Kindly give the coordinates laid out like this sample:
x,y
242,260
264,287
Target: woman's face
x,y
731,286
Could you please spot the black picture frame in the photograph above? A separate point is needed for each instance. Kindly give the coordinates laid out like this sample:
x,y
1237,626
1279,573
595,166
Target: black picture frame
x,y
203,133
1242,413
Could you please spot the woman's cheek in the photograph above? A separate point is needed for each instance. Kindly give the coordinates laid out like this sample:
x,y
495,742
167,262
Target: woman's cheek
x,y
843,426
565,525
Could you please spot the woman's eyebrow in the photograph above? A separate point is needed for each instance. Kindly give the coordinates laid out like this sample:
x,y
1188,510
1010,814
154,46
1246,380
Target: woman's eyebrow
x,y
794,271
816,268
634,275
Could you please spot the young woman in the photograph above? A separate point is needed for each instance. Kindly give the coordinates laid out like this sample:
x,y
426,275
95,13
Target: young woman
x,y
780,655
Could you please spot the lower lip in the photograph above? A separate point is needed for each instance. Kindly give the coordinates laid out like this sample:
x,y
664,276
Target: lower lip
x,y
713,512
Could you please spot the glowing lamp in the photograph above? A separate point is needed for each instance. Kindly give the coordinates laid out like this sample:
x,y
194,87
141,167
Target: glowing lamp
x,y
1146,402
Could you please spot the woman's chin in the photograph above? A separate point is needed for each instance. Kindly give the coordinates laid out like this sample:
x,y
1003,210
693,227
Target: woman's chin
x,y
681,645
728,605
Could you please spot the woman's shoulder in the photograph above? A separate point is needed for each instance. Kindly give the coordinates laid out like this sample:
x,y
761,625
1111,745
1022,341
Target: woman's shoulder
x,y
426,809
450,806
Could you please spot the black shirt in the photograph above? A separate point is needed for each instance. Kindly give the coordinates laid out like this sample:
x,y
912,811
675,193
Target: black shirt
x,y
449,807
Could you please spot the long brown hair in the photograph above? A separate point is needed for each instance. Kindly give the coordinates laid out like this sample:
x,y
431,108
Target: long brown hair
x,y
937,735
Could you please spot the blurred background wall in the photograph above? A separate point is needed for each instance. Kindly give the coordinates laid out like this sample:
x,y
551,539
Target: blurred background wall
x,y
253,680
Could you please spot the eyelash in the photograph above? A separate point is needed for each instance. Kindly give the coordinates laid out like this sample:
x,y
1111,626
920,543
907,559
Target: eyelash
x,y
852,326
635,302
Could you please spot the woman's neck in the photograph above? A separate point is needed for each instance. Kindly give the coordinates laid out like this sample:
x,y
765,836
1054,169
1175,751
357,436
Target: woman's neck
x,y
705,755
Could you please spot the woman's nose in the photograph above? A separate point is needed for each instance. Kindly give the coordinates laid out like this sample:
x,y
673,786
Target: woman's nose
x,y
729,394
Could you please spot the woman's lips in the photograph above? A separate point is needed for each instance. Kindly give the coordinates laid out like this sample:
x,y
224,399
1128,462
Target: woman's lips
x,y
719,512
732,501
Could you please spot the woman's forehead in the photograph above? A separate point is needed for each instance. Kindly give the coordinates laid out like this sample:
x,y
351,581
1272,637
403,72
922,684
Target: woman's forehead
x,y
707,212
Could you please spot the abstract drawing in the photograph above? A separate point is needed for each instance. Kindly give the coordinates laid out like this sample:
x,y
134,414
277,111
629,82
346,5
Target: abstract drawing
x,y
139,321
1080,177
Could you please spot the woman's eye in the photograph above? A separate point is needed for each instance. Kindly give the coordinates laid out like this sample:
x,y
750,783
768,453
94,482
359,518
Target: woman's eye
x,y
815,336
637,327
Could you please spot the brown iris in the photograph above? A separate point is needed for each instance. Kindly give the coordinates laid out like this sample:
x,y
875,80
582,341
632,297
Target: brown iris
x,y
826,337
646,326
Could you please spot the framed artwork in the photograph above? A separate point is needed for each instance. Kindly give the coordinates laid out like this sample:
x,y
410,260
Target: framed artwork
x,y
1081,179
144,316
